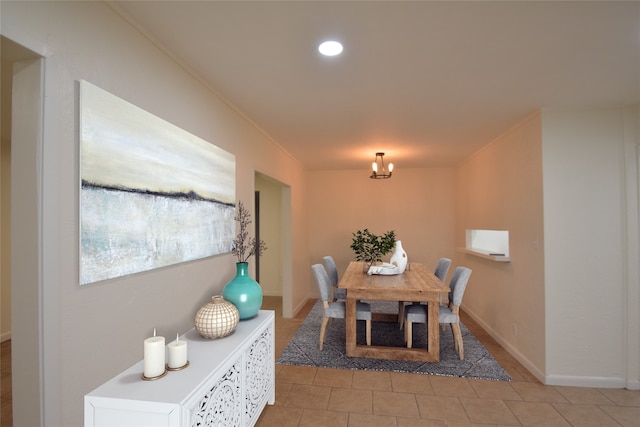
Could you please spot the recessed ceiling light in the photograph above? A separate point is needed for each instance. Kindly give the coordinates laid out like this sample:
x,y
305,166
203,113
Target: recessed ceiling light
x,y
330,48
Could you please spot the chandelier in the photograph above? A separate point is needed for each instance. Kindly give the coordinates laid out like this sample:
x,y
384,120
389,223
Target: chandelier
x,y
379,171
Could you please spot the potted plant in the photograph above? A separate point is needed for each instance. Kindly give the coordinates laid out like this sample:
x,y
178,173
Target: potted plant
x,y
370,248
242,291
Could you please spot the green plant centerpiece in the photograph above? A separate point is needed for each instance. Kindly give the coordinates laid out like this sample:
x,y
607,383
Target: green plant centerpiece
x,y
242,291
370,248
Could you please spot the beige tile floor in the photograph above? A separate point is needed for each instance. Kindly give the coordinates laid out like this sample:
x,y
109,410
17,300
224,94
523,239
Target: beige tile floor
x,y
307,397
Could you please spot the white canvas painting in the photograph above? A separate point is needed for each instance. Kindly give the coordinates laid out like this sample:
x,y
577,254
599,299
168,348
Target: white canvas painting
x,y
152,194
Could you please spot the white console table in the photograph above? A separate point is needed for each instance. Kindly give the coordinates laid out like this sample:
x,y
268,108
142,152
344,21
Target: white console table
x,y
228,383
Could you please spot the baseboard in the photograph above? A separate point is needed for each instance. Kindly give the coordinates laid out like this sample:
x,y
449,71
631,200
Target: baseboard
x,y
299,307
271,293
5,336
633,385
531,367
560,380
594,382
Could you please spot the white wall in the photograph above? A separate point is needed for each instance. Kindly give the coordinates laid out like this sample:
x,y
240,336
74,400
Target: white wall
x,y
632,231
500,188
586,248
90,333
26,260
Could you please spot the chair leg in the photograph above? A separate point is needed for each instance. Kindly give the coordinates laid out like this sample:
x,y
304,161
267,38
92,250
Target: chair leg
x,y
408,333
401,313
323,329
405,336
368,327
455,341
457,334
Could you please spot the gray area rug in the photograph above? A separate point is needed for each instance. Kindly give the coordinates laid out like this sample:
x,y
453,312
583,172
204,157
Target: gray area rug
x,y
303,348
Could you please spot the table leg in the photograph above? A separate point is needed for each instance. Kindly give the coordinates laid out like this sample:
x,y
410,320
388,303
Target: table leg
x,y
434,329
350,321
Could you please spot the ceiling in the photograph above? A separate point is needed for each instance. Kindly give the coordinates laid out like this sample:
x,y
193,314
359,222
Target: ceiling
x,y
429,83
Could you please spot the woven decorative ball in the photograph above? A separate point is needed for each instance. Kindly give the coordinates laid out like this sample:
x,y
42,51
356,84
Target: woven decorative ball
x,y
217,319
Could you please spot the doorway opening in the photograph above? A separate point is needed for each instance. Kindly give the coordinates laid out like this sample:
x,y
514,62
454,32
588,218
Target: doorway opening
x,y
273,225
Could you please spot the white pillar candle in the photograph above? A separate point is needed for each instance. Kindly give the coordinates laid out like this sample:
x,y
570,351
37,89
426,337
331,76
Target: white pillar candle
x,y
154,351
177,353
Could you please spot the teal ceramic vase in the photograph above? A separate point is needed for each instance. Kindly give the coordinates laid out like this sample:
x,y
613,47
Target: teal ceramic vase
x,y
244,292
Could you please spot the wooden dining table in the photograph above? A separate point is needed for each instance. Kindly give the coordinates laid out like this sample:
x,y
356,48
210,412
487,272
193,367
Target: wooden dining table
x,y
417,283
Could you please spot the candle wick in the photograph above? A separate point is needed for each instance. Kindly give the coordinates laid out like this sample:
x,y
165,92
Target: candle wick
x,y
178,337
154,332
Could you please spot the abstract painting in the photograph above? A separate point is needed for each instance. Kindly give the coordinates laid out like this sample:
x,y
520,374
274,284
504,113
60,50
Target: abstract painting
x,y
151,194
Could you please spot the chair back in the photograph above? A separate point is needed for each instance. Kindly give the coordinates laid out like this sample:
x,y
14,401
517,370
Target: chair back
x,y
322,279
442,268
332,269
458,284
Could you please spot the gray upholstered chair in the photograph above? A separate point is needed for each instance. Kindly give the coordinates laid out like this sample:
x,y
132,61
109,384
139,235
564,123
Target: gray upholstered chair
x,y
337,310
417,313
442,268
332,271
